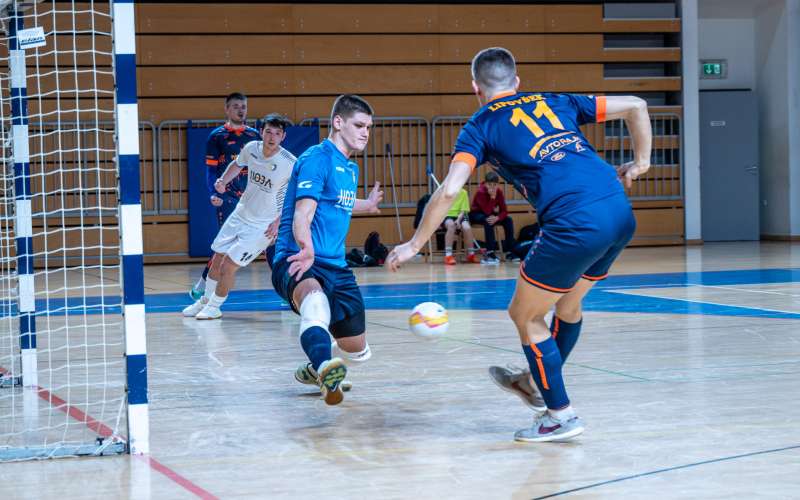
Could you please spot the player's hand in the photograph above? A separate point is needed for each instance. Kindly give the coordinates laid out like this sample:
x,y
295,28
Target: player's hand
x,y
400,255
219,186
301,262
491,220
375,197
630,171
216,201
272,229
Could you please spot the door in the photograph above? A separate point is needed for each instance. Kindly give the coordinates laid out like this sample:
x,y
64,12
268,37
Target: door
x,y
729,165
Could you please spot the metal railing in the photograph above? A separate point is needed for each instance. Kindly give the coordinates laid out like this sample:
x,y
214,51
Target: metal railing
x,y
400,151
73,169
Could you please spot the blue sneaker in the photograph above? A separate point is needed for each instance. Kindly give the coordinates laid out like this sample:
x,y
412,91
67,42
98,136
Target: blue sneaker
x,y
331,375
547,428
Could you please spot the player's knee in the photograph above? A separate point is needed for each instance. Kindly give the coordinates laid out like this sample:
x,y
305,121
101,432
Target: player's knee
x,y
449,224
570,311
315,311
349,357
465,226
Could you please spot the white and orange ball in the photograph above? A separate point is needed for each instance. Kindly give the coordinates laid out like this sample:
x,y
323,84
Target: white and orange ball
x,y
428,320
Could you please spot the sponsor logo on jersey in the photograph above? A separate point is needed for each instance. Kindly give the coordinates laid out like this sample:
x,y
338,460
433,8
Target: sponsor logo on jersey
x,y
346,199
339,169
273,167
304,184
557,144
260,179
558,156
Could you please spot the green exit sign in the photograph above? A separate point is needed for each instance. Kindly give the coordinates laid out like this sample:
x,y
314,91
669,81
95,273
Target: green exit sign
x,y
717,68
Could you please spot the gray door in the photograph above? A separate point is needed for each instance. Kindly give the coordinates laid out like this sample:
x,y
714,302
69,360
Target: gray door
x,y
729,165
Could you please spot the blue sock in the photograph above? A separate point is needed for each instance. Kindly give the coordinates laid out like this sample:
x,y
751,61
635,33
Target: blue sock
x,y
317,345
545,363
566,335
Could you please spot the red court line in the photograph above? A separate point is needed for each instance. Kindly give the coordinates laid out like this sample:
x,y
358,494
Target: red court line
x,y
106,431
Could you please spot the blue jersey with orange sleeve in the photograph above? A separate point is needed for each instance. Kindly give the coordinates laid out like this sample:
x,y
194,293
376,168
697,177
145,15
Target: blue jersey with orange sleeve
x,y
534,142
222,147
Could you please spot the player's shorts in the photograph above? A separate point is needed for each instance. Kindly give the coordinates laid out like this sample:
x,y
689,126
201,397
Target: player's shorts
x,y
580,244
240,241
338,284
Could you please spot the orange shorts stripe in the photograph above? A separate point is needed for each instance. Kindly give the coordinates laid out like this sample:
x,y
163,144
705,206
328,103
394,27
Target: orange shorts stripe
x,y
600,112
211,163
540,365
467,158
541,285
594,278
556,326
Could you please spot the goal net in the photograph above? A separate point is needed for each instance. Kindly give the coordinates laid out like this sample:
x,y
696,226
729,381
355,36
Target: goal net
x,y
68,270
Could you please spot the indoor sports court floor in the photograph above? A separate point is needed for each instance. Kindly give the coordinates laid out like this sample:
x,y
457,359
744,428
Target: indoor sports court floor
x,y
686,376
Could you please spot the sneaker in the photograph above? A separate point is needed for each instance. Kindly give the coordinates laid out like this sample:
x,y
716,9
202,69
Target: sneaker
x,y
512,257
517,381
490,261
196,293
209,312
547,428
473,259
192,310
306,374
331,374
449,260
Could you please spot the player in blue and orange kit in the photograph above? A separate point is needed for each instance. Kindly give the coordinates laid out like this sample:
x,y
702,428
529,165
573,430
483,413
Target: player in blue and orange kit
x,y
533,141
309,269
222,147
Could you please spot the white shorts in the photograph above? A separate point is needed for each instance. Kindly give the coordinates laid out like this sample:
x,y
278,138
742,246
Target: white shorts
x,y
240,241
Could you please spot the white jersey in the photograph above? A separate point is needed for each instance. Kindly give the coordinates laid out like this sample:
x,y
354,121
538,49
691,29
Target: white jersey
x,y
267,179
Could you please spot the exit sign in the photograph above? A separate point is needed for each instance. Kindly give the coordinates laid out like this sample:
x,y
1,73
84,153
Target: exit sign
x,y
713,68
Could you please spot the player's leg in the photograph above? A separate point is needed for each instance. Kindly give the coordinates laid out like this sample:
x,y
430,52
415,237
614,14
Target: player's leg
x,y
223,212
250,243
469,241
528,308
565,326
210,286
449,239
312,303
200,286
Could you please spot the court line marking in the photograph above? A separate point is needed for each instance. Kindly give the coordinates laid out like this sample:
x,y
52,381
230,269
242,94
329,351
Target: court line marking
x,y
105,431
704,302
668,469
722,287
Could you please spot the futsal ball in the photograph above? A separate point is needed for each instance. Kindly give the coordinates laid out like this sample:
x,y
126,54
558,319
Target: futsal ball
x,y
428,320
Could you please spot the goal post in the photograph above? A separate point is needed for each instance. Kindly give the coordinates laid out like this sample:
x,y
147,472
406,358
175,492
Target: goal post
x,y
73,357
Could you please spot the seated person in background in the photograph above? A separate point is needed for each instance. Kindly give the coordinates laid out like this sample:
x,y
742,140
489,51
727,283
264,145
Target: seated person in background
x,y
489,209
457,219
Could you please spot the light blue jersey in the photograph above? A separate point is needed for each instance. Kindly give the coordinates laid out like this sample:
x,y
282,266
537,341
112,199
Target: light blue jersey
x,y
323,174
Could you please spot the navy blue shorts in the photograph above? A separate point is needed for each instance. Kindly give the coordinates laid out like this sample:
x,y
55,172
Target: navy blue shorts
x,y
338,284
581,244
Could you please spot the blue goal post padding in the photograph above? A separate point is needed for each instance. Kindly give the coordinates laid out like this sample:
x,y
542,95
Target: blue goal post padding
x,y
203,226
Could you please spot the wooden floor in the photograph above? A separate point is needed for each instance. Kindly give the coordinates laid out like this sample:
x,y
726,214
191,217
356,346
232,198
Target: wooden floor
x,y
686,376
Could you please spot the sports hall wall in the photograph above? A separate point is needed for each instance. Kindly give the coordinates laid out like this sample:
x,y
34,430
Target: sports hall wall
x,y
408,61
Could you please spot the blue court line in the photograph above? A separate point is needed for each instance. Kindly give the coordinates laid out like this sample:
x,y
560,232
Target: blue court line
x,y
472,295
668,469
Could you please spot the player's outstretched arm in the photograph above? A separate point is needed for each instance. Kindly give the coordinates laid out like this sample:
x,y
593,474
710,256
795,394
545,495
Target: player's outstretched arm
x,y
370,205
301,262
634,111
230,173
434,214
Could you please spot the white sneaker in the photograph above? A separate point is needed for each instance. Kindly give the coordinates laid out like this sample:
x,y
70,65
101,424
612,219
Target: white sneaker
x,y
209,312
192,310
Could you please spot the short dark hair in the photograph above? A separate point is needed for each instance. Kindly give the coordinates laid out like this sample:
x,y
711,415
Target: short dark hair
x,y
346,105
235,96
277,120
494,69
491,177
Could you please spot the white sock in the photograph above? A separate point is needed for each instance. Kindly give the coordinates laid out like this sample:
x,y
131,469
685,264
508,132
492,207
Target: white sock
x,y
216,301
448,251
563,414
211,287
